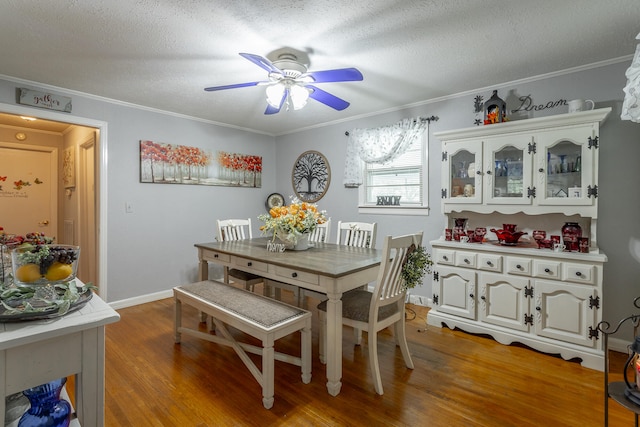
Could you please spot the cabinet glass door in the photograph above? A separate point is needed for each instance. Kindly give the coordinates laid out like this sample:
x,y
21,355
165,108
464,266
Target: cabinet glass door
x,y
508,170
564,168
462,162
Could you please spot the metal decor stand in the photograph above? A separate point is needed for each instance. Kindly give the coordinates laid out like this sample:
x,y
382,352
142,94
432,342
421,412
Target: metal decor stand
x,y
616,390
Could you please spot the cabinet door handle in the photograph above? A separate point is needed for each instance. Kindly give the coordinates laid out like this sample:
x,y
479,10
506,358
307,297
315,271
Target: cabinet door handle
x,y
489,263
540,170
471,295
294,274
479,173
538,308
483,297
249,264
466,261
215,256
488,172
445,258
578,274
546,270
519,267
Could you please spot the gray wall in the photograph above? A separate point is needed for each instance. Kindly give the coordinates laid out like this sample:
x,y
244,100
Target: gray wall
x,y
152,249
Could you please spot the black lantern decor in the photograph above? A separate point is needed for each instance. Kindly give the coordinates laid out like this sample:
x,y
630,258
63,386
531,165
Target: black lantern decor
x,y
495,110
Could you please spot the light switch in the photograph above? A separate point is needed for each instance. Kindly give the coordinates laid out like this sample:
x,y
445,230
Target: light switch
x,y
128,207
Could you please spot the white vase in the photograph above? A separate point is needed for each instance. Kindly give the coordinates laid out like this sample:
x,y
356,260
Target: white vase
x,y
303,243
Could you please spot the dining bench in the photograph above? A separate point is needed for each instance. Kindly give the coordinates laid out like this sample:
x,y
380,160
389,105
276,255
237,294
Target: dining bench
x,y
261,317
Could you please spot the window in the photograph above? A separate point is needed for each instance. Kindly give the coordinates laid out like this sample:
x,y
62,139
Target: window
x,y
404,177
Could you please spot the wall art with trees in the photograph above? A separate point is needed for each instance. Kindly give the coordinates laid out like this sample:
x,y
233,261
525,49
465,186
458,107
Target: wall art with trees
x,y
163,163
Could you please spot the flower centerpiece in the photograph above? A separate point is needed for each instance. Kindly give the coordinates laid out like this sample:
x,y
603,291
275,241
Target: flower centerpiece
x,y
293,222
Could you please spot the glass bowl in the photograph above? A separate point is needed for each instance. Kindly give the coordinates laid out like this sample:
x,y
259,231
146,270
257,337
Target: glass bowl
x,y
35,265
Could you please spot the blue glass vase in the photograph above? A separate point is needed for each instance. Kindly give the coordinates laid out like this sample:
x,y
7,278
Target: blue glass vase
x,y
47,409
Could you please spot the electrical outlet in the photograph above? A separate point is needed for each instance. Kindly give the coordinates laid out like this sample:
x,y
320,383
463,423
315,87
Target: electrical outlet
x,y
128,207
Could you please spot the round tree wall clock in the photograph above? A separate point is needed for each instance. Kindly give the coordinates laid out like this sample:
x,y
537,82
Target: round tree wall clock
x,y
311,176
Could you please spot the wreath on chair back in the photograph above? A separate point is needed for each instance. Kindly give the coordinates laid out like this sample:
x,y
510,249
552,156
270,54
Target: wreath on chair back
x,y
416,264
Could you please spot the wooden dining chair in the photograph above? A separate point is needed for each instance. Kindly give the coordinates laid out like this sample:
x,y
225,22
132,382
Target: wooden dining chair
x,y
359,234
374,311
319,235
321,232
237,229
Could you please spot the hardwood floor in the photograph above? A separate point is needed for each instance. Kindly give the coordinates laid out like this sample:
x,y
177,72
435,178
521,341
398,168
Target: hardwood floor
x,y
459,380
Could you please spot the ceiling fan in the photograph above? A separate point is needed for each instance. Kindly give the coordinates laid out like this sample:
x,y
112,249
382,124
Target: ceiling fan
x,y
290,84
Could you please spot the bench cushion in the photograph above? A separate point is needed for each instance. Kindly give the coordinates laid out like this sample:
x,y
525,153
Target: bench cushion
x,y
264,311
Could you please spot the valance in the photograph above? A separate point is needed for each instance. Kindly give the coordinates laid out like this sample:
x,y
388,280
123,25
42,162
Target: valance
x,y
379,145
631,103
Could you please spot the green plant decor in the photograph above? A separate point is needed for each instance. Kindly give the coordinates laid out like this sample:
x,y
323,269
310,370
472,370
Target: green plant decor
x,y
417,263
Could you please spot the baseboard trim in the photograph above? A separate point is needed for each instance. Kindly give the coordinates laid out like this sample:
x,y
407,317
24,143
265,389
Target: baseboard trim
x,y
142,299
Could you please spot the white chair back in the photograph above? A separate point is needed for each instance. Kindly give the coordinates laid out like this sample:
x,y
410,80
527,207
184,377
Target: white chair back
x,y
234,229
389,285
359,234
321,233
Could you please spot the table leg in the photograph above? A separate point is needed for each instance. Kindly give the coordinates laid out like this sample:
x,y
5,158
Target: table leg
x,y
203,270
334,343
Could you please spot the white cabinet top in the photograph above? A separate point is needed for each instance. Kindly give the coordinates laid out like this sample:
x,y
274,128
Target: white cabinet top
x,y
568,119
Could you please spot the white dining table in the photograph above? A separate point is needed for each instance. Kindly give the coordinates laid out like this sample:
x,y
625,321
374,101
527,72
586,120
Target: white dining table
x,y
326,268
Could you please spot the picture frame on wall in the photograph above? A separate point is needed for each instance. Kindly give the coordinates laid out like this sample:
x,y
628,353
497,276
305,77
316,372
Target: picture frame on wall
x,y
311,176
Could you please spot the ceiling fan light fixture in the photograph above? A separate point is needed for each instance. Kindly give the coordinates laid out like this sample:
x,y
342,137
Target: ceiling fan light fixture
x,y
299,96
275,92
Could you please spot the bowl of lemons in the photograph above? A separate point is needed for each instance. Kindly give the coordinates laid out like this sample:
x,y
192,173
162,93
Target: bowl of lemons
x,y
35,265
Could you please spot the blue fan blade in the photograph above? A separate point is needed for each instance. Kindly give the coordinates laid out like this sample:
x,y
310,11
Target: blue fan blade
x,y
214,88
327,99
261,62
339,75
273,110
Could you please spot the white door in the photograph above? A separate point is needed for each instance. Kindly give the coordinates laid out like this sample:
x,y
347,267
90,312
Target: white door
x,y
29,185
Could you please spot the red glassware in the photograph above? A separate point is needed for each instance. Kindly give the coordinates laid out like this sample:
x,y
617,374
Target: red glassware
x,y
570,233
448,234
509,227
508,238
583,244
539,234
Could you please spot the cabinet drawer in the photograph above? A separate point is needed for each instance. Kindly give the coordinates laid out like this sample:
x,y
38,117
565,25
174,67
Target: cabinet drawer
x,y
466,259
218,257
297,275
517,265
254,265
547,269
580,273
444,256
490,262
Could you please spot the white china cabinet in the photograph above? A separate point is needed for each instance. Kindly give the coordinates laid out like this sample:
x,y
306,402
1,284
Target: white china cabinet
x,y
547,300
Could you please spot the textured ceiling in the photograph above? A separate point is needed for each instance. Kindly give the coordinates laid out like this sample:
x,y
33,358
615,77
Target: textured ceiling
x,y
162,53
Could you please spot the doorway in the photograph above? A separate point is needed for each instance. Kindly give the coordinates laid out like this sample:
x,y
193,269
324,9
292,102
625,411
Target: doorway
x,y
85,211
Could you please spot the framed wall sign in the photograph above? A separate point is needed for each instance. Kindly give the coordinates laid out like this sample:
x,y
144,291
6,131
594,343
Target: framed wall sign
x,y
311,176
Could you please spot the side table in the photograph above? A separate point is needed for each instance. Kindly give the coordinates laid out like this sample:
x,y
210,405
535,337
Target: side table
x,y
36,352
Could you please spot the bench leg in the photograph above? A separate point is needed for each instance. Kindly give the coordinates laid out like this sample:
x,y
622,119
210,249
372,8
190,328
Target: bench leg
x,y
178,318
268,373
305,352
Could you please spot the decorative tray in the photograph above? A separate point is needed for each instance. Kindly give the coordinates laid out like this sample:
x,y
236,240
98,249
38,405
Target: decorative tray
x,y
19,309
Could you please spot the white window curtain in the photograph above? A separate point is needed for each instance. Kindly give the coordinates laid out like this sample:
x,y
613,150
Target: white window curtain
x,y
631,103
378,145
